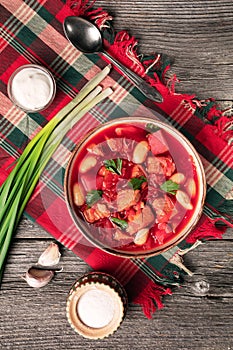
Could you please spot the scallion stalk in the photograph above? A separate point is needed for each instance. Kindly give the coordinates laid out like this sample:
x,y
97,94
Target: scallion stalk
x,y
16,191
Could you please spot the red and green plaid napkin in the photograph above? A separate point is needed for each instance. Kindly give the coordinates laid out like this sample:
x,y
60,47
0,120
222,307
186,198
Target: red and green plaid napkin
x,y
32,32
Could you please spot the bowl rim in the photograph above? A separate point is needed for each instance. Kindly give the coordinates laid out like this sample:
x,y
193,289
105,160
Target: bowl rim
x,y
202,185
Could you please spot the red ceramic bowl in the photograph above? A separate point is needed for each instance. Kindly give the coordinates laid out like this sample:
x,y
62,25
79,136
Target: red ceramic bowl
x,y
135,187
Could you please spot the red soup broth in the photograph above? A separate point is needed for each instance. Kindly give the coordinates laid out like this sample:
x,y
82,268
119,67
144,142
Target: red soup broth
x,y
134,187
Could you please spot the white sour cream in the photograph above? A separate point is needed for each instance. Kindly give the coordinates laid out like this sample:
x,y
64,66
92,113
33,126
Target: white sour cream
x,y
96,308
32,88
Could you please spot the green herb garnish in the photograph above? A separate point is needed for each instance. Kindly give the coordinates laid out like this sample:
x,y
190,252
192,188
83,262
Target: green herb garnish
x,y
115,166
136,182
93,196
152,128
120,223
169,187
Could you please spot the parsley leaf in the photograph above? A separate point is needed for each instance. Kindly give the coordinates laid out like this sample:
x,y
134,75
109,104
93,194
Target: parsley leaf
x,y
152,128
136,182
120,223
169,187
93,196
115,166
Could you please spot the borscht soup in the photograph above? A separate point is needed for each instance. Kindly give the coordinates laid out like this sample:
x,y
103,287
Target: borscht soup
x,y
135,186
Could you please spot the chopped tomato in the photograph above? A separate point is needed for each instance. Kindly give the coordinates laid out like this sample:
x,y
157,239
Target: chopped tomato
x,y
102,171
157,143
99,182
137,171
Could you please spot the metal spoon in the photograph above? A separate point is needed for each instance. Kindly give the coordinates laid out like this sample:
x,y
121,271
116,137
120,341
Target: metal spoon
x,y
86,37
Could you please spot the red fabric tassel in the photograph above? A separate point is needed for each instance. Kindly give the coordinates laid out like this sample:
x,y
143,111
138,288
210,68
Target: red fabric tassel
x,y
150,298
79,7
124,49
205,230
222,124
85,8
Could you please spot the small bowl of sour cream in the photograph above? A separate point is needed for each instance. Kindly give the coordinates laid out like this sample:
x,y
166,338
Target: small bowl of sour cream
x,y
31,87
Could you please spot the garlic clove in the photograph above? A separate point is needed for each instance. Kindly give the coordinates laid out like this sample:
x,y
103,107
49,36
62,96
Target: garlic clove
x,y
50,256
38,278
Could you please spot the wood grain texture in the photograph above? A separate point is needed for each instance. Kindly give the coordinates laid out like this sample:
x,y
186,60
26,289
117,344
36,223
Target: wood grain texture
x,y
199,315
197,34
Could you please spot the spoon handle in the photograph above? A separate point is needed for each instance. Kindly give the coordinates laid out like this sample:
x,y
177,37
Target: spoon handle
x,y
147,90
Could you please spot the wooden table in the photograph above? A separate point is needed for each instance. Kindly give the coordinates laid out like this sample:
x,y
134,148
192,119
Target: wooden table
x,y
199,36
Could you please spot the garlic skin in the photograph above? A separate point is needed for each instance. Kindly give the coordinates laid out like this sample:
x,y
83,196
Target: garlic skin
x,y
38,278
51,256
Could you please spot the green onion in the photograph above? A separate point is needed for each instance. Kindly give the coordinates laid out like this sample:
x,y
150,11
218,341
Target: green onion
x,y
16,191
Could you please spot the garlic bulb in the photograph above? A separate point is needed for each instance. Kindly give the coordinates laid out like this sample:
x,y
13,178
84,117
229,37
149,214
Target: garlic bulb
x,y
38,278
50,256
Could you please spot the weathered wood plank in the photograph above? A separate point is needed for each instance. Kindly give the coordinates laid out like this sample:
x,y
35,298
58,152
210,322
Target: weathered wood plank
x,y
197,34
188,318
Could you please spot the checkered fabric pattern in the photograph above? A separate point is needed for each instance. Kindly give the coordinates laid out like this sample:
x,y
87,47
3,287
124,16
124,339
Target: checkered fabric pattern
x,y
32,32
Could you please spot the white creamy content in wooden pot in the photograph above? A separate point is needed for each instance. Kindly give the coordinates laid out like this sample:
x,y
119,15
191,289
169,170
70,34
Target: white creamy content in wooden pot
x,y
96,308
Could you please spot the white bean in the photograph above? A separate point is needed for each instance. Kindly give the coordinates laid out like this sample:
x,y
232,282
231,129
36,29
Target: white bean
x,y
177,178
140,152
78,195
87,163
141,236
191,187
184,200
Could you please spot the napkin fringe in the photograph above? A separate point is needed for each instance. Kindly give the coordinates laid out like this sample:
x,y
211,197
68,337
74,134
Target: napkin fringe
x,y
85,8
80,7
150,299
205,230
222,120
